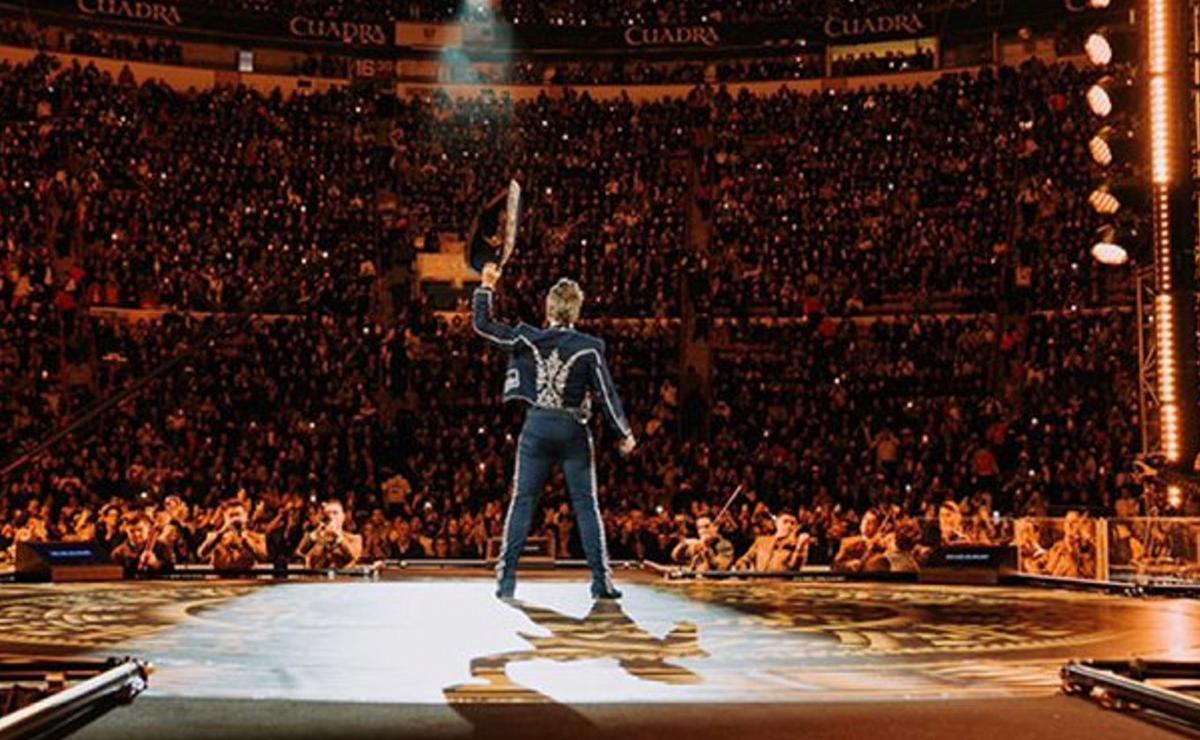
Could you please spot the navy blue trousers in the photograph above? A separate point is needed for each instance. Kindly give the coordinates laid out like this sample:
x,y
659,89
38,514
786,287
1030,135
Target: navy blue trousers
x,y
549,438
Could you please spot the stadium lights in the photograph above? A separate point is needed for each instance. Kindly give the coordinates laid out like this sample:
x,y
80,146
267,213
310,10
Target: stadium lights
x,y
1111,144
1105,44
1168,371
1158,36
1108,93
1163,57
1099,101
1109,253
1113,196
1174,496
1113,148
1101,150
1162,104
1099,51
1128,190
1103,201
1161,110
1115,247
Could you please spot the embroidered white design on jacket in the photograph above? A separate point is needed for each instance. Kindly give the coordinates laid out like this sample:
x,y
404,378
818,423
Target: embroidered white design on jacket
x,y
551,379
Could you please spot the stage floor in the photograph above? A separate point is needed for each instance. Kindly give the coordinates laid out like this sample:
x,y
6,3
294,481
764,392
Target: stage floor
x,y
445,649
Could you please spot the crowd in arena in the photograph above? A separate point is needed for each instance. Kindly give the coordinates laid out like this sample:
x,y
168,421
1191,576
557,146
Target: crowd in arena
x,y
200,202
797,64
530,71
604,180
311,421
98,43
119,46
924,460
582,12
840,201
891,62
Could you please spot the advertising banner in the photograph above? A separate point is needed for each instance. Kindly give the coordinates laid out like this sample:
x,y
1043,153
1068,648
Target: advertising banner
x,y
383,38
327,32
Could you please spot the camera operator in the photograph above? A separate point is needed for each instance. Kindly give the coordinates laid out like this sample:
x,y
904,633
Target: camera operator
x,y
329,545
233,548
709,551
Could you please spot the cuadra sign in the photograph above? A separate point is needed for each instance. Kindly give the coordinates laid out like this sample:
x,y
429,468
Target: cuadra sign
x,y
167,15
879,25
346,32
672,36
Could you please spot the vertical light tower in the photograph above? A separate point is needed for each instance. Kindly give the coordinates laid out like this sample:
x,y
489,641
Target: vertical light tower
x,y
1166,25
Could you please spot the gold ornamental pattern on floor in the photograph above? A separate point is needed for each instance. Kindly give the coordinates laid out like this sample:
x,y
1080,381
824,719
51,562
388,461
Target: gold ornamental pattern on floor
x,y
436,638
844,621
63,619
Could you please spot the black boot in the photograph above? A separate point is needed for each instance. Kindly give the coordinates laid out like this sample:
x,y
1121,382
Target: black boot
x,y
506,586
604,589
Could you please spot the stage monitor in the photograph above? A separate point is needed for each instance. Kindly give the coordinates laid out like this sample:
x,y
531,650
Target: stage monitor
x,y
64,561
537,549
969,564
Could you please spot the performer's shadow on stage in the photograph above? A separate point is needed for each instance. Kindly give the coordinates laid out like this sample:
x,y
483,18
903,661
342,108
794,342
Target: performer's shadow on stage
x,y
605,632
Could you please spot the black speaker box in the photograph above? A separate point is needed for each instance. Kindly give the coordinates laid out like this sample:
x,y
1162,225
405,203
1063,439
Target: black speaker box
x,y
59,562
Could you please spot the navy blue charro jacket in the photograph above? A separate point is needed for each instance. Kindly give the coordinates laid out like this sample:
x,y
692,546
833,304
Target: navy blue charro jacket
x,y
557,368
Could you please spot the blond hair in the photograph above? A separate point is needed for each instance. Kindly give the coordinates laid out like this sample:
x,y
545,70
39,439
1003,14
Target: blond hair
x,y
564,302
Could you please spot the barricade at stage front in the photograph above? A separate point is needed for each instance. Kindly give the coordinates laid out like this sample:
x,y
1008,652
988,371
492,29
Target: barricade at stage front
x,y
1148,551
1145,550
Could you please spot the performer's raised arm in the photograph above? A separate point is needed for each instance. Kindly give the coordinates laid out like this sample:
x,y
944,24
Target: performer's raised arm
x,y
485,326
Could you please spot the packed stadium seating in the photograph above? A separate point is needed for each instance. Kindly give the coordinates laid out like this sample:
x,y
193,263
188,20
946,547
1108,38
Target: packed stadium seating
x,y
576,12
812,235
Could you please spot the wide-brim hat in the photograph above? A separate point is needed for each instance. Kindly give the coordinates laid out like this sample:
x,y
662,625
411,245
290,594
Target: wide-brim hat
x,y
485,240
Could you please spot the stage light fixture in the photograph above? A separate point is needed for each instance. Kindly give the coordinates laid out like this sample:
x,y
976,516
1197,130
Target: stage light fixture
x,y
1103,201
1113,144
1158,36
1105,45
1099,101
1161,111
1162,239
1168,371
1099,50
1107,253
1111,93
1106,250
1123,195
1174,496
1100,150
1165,58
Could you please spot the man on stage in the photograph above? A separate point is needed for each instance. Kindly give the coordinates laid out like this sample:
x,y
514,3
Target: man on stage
x,y
556,371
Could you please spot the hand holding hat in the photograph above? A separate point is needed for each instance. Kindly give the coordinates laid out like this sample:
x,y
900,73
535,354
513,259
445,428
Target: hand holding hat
x,y
491,275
